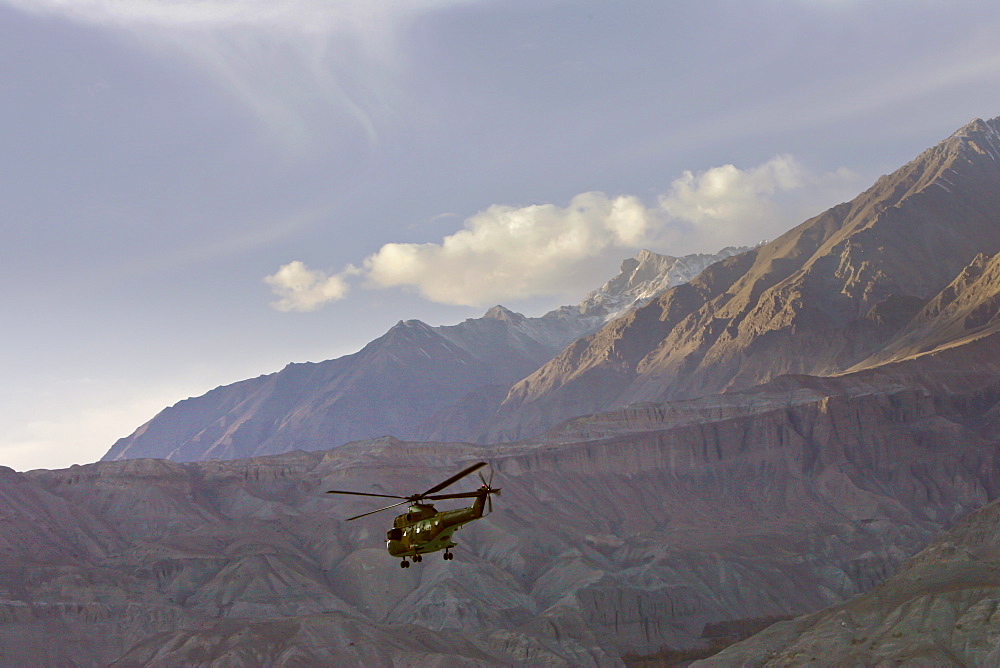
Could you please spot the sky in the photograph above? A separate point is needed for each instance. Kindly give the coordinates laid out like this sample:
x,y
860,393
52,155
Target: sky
x,y
195,192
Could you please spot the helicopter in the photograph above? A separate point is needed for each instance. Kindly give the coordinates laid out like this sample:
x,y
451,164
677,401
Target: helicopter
x,y
423,529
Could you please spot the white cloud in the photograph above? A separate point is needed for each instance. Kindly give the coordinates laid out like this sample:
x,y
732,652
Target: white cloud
x,y
723,204
303,289
512,253
727,194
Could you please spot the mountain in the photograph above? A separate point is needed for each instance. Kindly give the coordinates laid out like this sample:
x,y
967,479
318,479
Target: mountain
x,y
820,299
655,529
415,381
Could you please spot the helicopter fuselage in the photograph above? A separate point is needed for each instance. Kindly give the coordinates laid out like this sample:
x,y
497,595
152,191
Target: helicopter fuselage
x,y
423,529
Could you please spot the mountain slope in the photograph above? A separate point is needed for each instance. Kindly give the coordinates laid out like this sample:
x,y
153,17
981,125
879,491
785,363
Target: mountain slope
x,y
390,386
939,609
817,300
415,381
966,312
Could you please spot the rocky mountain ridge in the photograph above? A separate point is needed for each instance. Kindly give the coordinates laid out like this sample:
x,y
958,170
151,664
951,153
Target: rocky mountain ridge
x,y
962,315
415,381
818,300
823,298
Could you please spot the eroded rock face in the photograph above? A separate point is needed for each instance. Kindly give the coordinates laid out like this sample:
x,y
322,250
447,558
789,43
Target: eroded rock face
x,y
636,532
961,319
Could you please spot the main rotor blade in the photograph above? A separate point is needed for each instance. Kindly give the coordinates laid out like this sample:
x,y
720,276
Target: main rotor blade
x,y
459,495
387,496
453,479
377,511
463,495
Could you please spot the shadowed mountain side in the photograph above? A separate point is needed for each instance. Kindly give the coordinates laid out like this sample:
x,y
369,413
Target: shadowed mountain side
x,y
414,382
818,300
939,609
774,505
390,386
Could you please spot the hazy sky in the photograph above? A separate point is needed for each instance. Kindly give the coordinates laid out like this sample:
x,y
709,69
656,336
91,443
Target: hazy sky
x,y
195,192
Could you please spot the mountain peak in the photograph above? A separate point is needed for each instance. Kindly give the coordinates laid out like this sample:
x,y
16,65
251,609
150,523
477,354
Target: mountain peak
x,y
804,303
977,136
647,275
408,324
504,314
409,327
645,255
975,126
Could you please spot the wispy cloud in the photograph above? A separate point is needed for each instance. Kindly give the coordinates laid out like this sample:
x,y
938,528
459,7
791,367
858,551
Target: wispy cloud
x,y
302,16
513,253
290,62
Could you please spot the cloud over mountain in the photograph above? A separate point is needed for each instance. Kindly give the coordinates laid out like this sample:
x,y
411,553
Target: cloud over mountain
x,y
510,253
507,252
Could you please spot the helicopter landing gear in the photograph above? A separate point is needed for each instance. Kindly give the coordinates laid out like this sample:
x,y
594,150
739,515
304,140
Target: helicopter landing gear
x,y
404,564
448,556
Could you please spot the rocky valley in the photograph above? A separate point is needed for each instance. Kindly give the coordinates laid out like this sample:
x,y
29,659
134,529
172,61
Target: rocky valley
x,y
693,516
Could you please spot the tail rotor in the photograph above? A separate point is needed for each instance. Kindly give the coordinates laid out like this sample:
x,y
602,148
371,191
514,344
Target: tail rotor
x,y
488,487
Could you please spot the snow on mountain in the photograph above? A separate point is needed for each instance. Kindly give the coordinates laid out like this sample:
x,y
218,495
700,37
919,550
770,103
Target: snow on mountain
x,y
641,278
647,275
